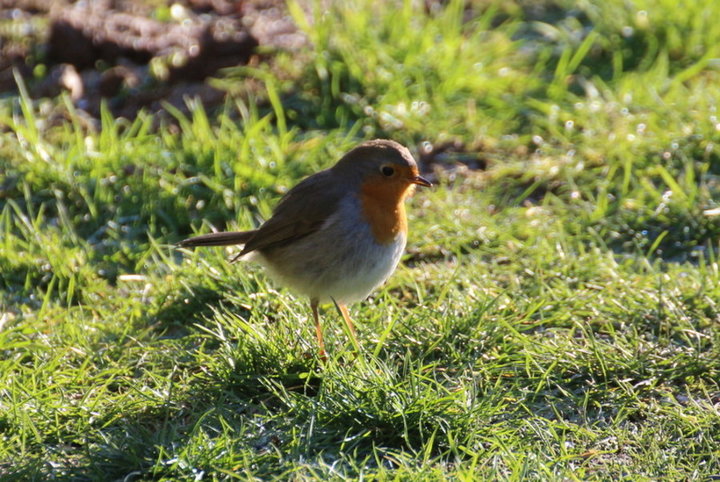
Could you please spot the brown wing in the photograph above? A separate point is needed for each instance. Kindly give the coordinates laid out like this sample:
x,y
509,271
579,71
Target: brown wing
x,y
300,212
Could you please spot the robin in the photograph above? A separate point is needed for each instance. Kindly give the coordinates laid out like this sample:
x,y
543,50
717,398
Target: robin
x,y
337,235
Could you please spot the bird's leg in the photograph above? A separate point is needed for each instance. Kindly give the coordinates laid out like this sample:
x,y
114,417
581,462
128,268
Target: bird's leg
x,y
318,329
349,322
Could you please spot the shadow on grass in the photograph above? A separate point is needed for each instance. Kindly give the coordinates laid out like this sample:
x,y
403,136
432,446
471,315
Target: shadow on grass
x,y
195,307
223,414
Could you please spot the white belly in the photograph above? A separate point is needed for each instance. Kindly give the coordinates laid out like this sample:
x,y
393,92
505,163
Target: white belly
x,y
341,261
366,271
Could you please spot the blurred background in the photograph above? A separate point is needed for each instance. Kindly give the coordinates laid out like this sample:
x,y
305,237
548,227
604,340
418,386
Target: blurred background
x,y
607,102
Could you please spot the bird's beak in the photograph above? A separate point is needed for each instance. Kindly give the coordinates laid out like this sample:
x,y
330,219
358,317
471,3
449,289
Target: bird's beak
x,y
421,181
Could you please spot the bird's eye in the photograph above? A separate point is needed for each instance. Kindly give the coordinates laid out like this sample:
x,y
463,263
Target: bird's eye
x,y
387,171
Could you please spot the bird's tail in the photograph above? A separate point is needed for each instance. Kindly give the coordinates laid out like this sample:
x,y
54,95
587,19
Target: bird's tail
x,y
218,239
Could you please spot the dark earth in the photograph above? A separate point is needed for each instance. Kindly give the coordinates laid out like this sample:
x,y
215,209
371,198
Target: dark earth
x,y
136,54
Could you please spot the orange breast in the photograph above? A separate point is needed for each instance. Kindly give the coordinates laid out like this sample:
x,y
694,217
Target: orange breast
x,y
384,209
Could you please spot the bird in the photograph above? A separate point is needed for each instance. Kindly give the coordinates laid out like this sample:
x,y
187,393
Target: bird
x,y
338,234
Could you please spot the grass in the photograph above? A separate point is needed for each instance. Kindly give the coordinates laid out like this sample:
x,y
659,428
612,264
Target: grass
x,y
555,318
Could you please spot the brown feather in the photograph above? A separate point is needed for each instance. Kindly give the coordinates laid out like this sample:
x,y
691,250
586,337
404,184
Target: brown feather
x,y
218,239
302,211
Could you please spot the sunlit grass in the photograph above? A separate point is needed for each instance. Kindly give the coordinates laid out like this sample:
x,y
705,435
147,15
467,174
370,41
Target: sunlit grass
x,y
555,318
